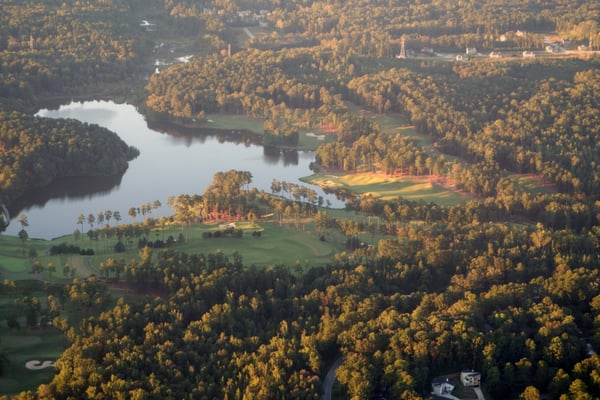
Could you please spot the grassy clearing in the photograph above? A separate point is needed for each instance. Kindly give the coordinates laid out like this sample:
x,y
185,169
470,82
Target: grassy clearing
x,y
392,123
388,188
532,184
310,140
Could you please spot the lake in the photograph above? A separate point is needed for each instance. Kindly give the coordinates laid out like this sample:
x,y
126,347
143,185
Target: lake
x,y
172,161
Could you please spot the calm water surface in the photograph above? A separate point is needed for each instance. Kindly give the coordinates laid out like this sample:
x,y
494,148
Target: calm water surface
x,y
170,163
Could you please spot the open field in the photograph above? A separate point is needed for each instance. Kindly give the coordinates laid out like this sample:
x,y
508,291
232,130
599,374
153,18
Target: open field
x,y
532,184
310,140
386,187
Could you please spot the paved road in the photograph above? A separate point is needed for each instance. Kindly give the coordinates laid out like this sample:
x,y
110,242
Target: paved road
x,y
330,379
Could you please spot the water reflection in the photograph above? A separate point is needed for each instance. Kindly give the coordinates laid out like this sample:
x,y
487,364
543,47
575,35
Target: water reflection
x,y
274,155
189,136
173,160
67,189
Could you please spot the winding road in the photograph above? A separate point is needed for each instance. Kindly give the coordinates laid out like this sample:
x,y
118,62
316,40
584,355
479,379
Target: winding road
x,y
330,379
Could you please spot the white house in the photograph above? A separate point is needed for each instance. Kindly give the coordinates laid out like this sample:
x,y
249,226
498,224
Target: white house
x,y
471,51
528,54
470,378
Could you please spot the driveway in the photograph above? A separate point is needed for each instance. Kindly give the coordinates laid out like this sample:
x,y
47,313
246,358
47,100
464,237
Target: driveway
x,y
330,379
479,393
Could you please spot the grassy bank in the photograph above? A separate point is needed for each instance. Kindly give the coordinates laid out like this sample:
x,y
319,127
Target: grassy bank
x,y
307,140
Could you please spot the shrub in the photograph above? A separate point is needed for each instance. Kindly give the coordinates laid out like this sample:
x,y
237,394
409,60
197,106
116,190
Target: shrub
x,y
64,248
119,247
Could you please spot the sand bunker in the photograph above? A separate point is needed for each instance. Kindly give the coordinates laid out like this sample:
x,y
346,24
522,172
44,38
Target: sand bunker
x,y
318,137
36,364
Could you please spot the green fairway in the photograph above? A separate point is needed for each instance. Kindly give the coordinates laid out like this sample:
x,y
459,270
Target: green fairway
x,y
310,140
388,188
23,345
235,122
276,245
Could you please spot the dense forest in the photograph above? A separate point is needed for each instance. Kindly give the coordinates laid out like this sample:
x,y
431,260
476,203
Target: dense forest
x,y
507,284
59,49
63,48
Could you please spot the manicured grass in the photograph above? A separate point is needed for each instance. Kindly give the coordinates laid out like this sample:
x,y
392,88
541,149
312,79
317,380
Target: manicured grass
x,y
23,345
387,187
235,122
276,245
13,262
310,140
16,265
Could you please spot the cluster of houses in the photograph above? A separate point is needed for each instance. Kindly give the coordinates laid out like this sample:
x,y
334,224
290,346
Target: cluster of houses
x,y
246,17
494,54
552,44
